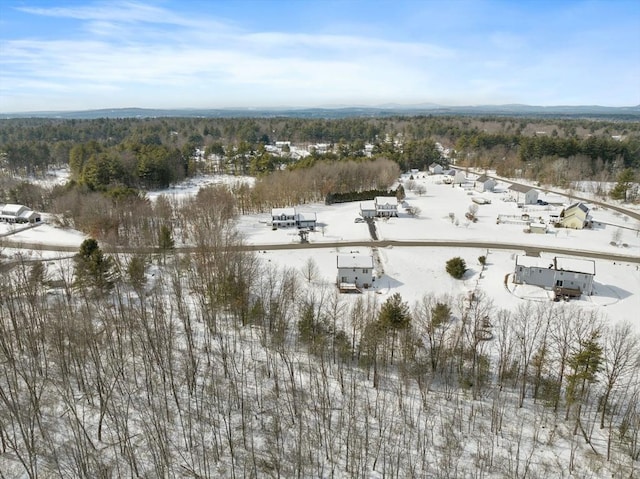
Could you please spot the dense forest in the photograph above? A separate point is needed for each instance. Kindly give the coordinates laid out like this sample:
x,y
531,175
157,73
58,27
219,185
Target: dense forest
x,y
160,148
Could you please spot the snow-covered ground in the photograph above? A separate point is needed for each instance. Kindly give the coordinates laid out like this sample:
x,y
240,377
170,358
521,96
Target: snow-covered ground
x,y
413,271
434,222
191,186
416,271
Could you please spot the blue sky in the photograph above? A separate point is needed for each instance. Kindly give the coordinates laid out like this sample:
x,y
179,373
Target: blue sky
x,y
77,55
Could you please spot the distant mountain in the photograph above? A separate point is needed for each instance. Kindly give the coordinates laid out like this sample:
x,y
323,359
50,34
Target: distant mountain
x,y
560,111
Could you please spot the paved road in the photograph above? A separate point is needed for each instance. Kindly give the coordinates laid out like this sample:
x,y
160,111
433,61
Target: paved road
x,y
380,244
633,214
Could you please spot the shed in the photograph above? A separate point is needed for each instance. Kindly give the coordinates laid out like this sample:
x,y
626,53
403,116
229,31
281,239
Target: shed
x,y
539,228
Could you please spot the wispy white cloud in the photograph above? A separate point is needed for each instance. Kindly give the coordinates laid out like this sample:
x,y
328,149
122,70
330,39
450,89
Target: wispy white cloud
x,y
117,11
115,53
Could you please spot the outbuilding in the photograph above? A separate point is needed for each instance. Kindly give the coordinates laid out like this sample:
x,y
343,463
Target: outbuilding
x,y
436,168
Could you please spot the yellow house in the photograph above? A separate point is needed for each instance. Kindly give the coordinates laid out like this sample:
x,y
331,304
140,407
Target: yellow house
x,y
575,216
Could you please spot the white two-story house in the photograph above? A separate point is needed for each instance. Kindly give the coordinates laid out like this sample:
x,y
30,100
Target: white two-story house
x,y
354,270
386,206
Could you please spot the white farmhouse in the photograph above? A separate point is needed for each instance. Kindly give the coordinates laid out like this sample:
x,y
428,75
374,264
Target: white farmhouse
x,y
289,217
12,213
386,206
355,271
283,217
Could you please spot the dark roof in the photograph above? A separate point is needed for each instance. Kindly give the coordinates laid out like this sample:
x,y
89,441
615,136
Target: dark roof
x,y
521,188
483,178
580,205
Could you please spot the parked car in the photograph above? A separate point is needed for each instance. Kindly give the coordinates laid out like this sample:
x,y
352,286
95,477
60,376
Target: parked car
x,y
542,203
359,220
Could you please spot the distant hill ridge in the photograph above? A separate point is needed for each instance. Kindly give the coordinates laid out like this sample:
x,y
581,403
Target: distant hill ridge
x,y
560,111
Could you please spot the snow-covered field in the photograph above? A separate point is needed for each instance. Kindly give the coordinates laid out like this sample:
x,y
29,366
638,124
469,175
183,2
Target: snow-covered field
x,y
416,271
434,222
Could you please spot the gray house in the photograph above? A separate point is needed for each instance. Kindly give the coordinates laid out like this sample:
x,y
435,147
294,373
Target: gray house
x,y
368,209
436,168
355,271
306,220
525,194
484,183
561,274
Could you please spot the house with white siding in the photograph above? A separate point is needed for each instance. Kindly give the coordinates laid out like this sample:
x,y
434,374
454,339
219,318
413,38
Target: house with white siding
x,y
355,271
459,178
386,206
289,217
13,213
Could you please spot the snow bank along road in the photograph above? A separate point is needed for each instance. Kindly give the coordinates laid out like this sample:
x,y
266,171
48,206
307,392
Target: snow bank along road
x,y
532,250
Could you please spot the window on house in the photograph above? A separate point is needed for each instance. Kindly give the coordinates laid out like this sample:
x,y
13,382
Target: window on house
x,y
365,271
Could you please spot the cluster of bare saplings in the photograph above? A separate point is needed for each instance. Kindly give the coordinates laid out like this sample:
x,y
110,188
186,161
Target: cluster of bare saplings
x,y
216,364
